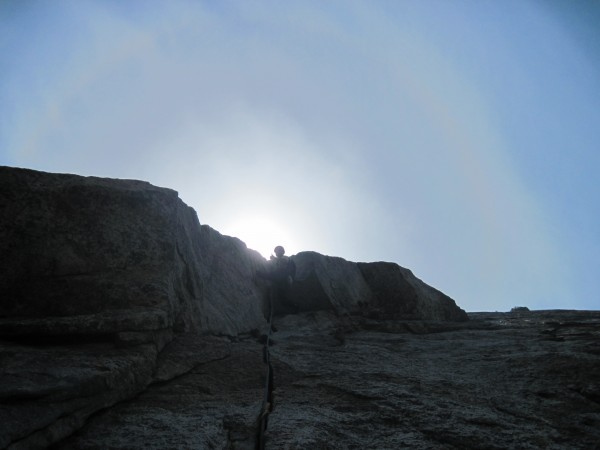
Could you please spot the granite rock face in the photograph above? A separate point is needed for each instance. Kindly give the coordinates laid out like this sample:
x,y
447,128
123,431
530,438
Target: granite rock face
x,y
326,283
383,289
398,294
94,256
124,318
496,381
100,256
98,277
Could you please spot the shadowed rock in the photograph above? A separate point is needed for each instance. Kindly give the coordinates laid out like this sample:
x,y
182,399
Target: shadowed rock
x,y
499,381
325,283
93,256
98,276
380,289
496,381
398,294
124,323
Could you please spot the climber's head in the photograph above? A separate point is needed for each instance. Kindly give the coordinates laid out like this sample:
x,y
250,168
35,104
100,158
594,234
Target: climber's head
x,y
279,251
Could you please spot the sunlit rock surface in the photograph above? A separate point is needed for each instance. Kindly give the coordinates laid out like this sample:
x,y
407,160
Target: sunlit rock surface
x,y
124,323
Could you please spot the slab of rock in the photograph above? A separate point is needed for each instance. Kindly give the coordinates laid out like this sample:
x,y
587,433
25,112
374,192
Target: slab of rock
x,y
98,276
48,391
497,381
375,289
325,283
214,403
105,253
398,294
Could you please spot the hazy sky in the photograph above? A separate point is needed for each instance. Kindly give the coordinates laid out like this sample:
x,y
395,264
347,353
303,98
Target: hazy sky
x,y
459,139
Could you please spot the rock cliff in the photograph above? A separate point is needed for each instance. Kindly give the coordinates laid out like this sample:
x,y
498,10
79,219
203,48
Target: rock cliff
x,y
124,323
85,255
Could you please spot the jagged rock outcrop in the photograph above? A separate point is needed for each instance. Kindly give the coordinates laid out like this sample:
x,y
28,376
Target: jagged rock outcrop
x,y
112,290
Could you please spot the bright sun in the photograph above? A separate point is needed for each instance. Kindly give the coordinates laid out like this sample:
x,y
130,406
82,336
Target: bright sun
x,y
261,234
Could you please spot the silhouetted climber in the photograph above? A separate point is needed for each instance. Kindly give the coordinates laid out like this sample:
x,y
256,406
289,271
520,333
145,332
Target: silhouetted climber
x,y
280,271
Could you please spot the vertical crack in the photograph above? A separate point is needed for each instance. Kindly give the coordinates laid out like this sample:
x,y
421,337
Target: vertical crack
x,y
267,403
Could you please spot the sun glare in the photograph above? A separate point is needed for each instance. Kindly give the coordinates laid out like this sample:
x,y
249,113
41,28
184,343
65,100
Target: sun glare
x,y
261,234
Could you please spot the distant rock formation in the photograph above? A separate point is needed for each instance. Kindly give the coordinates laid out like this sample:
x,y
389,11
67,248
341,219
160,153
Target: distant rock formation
x,y
109,286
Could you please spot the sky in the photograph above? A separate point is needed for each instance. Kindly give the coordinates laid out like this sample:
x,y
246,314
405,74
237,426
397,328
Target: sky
x,y
457,139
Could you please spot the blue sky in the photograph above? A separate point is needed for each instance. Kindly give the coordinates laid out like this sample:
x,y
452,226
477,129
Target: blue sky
x,y
457,139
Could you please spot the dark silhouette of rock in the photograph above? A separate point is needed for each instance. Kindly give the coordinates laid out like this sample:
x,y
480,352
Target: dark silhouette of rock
x,y
325,283
90,255
124,323
98,276
383,289
398,294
